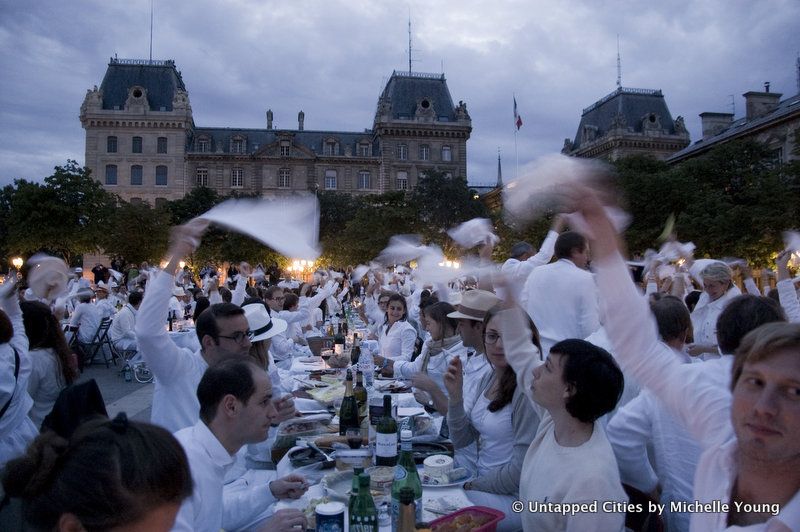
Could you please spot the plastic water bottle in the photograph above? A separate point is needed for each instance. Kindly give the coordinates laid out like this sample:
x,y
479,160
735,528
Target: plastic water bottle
x,y
367,365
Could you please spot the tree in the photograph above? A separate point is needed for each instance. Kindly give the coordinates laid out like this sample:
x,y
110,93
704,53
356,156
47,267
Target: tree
x,y
365,236
443,202
193,204
137,232
65,216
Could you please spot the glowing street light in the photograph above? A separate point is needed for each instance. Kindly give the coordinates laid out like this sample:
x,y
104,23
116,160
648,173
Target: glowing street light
x,y
17,262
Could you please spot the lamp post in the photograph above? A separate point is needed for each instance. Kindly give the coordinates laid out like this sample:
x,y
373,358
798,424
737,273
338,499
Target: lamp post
x,y
17,262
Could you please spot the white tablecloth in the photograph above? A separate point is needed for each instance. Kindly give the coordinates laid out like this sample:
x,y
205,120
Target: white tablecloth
x,y
187,339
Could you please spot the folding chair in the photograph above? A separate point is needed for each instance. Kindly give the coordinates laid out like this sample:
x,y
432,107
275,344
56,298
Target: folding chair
x,y
100,343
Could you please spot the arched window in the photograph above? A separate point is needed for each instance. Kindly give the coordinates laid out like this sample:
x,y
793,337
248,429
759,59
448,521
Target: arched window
x,y
161,175
136,174
447,154
111,174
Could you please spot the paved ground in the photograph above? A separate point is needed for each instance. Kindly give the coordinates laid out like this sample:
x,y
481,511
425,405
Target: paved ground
x,y
133,398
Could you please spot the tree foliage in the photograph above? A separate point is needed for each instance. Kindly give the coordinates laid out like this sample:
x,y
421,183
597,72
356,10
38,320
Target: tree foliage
x,y
137,232
66,215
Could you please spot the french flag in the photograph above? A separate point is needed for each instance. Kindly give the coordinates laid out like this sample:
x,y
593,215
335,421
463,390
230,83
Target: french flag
x,y
517,118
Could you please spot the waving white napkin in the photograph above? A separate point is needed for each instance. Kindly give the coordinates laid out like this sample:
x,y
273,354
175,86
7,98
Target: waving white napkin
x,y
287,225
473,233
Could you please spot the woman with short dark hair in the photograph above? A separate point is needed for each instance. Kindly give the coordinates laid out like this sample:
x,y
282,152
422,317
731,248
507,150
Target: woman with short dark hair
x,y
110,474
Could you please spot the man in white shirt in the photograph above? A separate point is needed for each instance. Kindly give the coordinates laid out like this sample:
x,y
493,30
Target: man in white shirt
x,y
222,330
524,258
86,319
561,298
122,332
236,408
748,476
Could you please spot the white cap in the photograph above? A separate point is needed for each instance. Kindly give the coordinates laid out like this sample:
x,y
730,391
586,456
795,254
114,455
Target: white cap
x,y
405,434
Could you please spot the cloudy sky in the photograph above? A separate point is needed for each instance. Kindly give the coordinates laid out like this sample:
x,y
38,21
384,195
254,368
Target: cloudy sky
x,y
331,58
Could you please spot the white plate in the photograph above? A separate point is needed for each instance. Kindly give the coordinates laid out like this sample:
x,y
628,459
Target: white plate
x,y
309,360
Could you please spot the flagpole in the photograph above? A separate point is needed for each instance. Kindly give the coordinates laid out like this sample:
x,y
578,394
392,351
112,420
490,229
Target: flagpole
x,y
516,157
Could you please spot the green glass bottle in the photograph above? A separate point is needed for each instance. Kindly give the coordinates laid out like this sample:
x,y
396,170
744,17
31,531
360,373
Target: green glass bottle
x,y
354,489
360,394
386,436
406,476
363,514
348,412
355,352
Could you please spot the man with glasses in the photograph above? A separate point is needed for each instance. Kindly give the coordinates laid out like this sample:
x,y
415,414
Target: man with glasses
x,y
222,330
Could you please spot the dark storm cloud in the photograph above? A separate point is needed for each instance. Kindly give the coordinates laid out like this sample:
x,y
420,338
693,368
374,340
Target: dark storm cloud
x,y
331,59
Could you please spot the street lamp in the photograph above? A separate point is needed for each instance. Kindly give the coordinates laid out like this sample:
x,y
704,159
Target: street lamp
x,y
17,262
182,265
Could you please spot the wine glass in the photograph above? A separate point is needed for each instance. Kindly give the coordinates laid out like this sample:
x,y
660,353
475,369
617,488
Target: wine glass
x,y
354,439
326,355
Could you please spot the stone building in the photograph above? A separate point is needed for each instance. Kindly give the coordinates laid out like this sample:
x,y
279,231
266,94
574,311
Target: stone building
x,y
142,142
768,119
628,122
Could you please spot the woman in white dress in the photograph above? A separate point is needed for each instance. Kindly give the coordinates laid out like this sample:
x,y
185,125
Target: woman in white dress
x,y
499,419
397,336
51,366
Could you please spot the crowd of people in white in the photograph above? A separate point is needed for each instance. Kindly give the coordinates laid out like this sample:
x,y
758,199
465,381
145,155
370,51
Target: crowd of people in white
x,y
566,384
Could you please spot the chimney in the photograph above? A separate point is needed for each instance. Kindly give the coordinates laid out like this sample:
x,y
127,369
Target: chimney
x,y
759,104
715,123
269,118
301,117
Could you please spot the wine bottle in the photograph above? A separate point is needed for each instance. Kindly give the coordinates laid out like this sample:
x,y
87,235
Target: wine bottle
x,y
338,340
407,516
363,514
386,436
348,412
355,352
360,393
406,476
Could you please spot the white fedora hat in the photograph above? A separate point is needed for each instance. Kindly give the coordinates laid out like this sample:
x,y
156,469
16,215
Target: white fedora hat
x,y
178,291
261,323
474,305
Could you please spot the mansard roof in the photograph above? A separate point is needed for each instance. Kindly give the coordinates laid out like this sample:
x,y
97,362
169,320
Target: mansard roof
x,y
742,127
633,105
405,90
159,78
258,138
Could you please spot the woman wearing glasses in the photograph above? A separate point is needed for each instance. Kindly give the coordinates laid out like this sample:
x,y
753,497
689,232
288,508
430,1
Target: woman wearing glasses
x,y
488,418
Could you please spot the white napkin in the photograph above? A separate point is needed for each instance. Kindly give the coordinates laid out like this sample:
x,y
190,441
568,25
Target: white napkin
x,y
288,225
474,233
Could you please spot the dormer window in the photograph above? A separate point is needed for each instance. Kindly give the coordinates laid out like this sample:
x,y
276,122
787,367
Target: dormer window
x,y
238,145
330,147
286,148
364,149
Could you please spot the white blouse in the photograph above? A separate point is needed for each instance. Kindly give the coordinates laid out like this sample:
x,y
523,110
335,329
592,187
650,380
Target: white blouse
x,y
44,384
398,342
495,446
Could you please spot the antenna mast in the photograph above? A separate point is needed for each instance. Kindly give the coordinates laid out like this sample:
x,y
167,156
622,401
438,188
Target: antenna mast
x,y
409,40
798,72
619,66
151,30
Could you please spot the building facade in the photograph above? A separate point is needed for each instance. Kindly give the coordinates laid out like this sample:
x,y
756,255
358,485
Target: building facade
x,y
628,122
142,142
768,120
